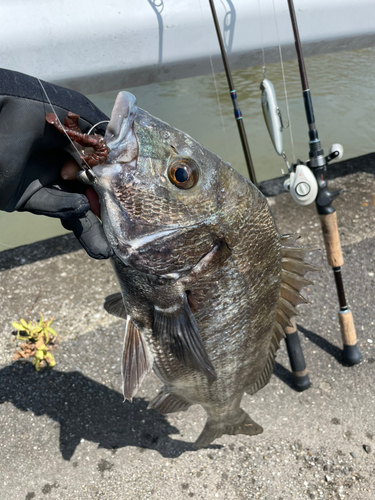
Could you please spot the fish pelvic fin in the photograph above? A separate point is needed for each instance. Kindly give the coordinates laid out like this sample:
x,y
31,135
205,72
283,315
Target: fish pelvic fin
x,y
240,423
137,360
177,331
114,305
166,402
292,281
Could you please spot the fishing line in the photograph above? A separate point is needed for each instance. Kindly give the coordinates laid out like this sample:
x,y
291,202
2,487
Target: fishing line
x,y
96,124
70,140
284,82
261,41
218,99
215,85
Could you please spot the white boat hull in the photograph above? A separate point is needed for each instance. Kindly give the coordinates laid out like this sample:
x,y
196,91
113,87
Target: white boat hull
x,y
94,46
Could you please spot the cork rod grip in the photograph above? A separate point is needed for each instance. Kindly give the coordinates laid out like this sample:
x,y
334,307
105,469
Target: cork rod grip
x,y
347,327
331,239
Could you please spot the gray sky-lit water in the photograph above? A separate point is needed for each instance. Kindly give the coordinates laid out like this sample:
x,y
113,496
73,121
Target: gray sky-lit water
x,y
342,86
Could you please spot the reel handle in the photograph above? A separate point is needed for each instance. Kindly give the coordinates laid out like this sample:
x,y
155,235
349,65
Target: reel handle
x,y
337,152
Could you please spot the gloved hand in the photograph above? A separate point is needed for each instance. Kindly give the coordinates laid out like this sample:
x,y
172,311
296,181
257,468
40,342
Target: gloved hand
x,y
32,154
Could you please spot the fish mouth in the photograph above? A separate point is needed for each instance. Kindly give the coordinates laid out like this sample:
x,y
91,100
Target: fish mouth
x,y
121,141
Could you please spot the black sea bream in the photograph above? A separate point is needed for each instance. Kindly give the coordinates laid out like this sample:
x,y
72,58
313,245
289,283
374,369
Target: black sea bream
x,y
207,283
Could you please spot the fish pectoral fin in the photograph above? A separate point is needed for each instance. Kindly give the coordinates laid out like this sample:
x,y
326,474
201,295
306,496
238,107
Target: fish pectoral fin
x,y
137,360
165,402
114,305
177,331
240,423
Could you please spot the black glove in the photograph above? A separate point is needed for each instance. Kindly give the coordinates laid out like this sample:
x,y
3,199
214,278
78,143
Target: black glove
x,y
32,154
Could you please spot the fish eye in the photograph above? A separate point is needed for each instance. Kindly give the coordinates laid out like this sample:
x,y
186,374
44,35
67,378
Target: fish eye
x,y
183,173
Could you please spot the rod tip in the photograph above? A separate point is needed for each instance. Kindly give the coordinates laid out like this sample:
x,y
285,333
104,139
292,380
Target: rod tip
x,y
351,355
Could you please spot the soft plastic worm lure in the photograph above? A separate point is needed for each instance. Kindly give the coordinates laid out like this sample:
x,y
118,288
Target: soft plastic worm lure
x,y
94,141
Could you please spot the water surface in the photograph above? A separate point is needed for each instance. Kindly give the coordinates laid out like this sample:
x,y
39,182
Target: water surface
x,y
342,86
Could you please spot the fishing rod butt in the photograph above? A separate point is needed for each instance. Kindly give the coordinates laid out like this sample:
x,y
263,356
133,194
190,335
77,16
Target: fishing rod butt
x,y
351,354
296,358
301,381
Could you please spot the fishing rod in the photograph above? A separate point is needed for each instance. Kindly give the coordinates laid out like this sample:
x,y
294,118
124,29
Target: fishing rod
x,y
301,188
233,94
296,358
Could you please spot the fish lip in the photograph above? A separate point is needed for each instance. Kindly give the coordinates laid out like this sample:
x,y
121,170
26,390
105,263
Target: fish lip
x,y
122,118
120,136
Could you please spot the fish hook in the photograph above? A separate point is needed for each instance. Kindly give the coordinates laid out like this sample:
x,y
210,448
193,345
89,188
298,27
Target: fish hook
x,y
281,119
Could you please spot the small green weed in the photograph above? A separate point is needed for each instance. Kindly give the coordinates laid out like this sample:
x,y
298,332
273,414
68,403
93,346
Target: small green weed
x,y
40,339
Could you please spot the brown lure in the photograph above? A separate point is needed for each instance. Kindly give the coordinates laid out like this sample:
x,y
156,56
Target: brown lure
x,y
72,130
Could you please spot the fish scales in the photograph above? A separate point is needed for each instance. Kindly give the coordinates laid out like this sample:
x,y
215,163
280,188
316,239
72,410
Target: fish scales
x,y
199,262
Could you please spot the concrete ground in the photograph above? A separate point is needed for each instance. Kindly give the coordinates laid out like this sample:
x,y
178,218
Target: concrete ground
x,y
66,433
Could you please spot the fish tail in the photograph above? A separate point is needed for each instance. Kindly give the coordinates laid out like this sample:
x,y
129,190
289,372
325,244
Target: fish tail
x,y
239,423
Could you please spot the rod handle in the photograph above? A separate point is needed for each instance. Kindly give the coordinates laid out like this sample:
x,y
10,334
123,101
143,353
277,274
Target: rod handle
x,y
331,239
